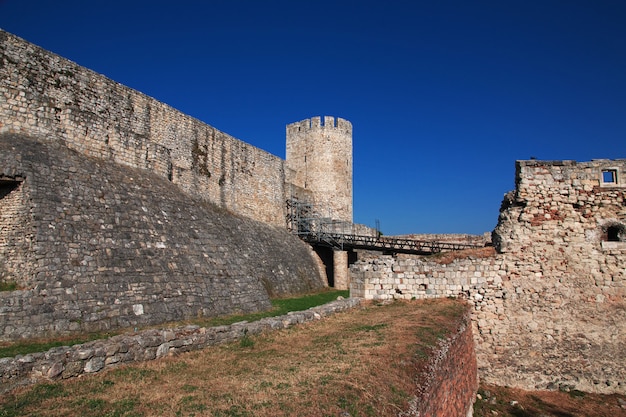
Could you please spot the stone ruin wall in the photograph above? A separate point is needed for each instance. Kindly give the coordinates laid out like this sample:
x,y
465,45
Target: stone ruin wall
x,y
550,307
50,97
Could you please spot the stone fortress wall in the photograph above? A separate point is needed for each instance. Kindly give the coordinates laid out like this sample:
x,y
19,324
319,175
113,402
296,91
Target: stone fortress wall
x,y
98,246
550,305
118,210
52,98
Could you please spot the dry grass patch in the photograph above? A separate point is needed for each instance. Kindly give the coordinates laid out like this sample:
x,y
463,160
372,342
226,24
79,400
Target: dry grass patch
x,y
364,362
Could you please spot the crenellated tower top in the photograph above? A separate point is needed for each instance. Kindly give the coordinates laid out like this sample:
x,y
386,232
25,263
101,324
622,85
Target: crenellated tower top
x,y
317,123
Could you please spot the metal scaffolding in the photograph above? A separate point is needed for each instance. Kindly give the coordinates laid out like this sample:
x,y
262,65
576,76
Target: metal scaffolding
x,y
305,221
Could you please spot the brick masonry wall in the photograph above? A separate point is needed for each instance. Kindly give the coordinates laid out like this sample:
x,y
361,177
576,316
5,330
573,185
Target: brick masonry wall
x,y
114,246
52,98
450,381
550,309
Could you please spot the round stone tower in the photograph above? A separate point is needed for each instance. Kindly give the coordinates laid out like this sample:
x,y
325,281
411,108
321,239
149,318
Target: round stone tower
x,y
319,155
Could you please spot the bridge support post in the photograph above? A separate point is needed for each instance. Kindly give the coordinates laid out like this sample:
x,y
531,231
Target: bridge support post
x,y
341,270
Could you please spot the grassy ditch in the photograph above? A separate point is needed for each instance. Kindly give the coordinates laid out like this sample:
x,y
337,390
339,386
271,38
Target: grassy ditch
x,y
280,306
363,362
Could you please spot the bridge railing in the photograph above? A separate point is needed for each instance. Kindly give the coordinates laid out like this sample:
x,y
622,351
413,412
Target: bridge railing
x,y
390,244
304,220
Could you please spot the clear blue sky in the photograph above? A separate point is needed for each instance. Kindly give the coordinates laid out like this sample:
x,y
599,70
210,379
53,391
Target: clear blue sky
x,y
443,96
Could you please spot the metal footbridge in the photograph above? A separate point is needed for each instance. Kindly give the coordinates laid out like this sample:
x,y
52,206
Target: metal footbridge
x,y
303,221
382,243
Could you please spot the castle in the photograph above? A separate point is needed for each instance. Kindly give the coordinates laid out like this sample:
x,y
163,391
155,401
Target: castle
x,y
117,210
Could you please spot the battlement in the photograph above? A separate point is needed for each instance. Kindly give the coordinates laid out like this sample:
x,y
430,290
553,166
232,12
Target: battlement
x,y
317,123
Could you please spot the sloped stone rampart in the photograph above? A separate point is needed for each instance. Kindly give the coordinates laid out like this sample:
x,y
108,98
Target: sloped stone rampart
x,y
111,246
72,361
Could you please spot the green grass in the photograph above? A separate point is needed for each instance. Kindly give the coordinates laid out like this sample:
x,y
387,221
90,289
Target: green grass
x,y
279,307
246,341
26,347
15,406
8,286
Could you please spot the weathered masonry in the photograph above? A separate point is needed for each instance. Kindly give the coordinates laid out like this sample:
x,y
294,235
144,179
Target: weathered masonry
x,y
550,306
54,99
94,246
118,210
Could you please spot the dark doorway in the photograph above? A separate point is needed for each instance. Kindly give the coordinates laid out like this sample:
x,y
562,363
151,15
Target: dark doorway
x,y
326,255
8,186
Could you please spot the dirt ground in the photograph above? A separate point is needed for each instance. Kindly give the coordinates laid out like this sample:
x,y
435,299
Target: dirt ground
x,y
499,401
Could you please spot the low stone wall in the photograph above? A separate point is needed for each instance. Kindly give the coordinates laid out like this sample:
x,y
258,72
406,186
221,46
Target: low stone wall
x,y
68,362
406,277
451,379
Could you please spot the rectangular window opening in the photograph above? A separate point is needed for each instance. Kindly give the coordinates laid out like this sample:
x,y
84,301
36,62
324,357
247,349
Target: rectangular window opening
x,y
609,176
